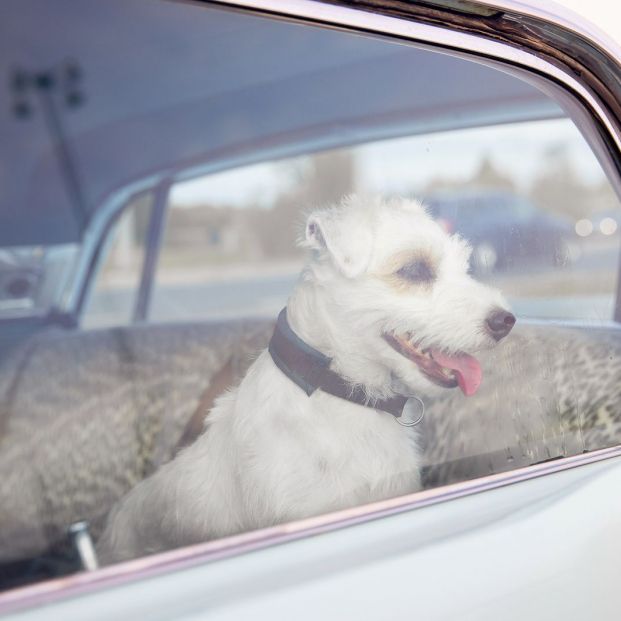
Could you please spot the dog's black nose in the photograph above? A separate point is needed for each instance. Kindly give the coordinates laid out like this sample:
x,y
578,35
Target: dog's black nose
x,y
499,323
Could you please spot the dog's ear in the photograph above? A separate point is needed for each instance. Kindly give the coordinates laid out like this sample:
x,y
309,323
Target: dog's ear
x,y
344,236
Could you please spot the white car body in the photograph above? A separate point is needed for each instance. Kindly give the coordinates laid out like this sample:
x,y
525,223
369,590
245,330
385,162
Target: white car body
x,y
540,548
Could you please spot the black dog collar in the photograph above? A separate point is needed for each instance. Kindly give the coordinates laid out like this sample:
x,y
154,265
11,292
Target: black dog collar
x,y
309,369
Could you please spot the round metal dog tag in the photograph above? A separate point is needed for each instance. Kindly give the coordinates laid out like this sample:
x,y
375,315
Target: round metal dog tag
x,y
413,412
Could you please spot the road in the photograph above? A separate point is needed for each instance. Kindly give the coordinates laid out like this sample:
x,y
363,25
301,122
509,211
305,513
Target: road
x,y
264,295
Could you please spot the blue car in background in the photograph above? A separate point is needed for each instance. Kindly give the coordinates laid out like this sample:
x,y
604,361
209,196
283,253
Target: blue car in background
x,y
505,229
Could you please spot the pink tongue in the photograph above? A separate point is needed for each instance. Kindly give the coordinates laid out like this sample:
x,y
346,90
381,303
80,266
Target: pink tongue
x,y
467,368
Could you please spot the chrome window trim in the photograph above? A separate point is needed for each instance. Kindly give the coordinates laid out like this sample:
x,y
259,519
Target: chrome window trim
x,y
563,17
155,232
94,237
185,558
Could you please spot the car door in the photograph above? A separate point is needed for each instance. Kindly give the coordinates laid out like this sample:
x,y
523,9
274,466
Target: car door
x,y
258,110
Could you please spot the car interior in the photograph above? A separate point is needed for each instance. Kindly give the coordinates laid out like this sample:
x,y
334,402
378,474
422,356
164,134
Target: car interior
x,y
86,413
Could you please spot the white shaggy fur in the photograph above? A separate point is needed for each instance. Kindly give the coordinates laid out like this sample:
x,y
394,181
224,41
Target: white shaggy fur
x,y
270,453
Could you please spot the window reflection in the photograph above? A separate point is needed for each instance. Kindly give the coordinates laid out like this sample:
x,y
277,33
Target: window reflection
x,y
539,222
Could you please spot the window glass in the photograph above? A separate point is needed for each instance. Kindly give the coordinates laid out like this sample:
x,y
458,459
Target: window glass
x,y
186,428
112,299
531,198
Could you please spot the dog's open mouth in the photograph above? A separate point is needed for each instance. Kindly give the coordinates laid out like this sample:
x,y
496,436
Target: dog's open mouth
x,y
461,369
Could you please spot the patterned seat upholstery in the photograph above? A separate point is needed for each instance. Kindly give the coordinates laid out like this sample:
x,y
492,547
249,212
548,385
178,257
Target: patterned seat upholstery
x,y
547,392
85,416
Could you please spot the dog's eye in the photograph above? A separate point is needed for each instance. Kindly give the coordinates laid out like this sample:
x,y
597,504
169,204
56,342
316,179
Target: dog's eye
x,y
417,271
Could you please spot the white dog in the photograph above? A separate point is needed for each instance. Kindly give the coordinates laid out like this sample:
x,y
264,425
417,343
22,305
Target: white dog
x,y
385,310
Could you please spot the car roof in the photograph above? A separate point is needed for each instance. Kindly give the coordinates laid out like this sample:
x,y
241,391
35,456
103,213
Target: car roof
x,y
172,87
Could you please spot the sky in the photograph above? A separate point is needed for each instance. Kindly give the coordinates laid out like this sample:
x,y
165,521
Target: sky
x,y
518,151
406,164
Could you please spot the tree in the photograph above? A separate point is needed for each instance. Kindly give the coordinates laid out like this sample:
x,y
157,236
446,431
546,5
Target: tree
x,y
558,187
322,179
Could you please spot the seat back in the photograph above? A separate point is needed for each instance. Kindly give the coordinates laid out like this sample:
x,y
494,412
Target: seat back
x,y
87,415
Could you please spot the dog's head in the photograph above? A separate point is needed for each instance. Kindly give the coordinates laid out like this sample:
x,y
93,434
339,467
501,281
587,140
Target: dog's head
x,y
397,302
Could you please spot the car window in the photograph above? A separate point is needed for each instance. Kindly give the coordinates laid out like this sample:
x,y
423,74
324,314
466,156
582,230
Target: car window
x,y
33,278
442,230
537,226
113,293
